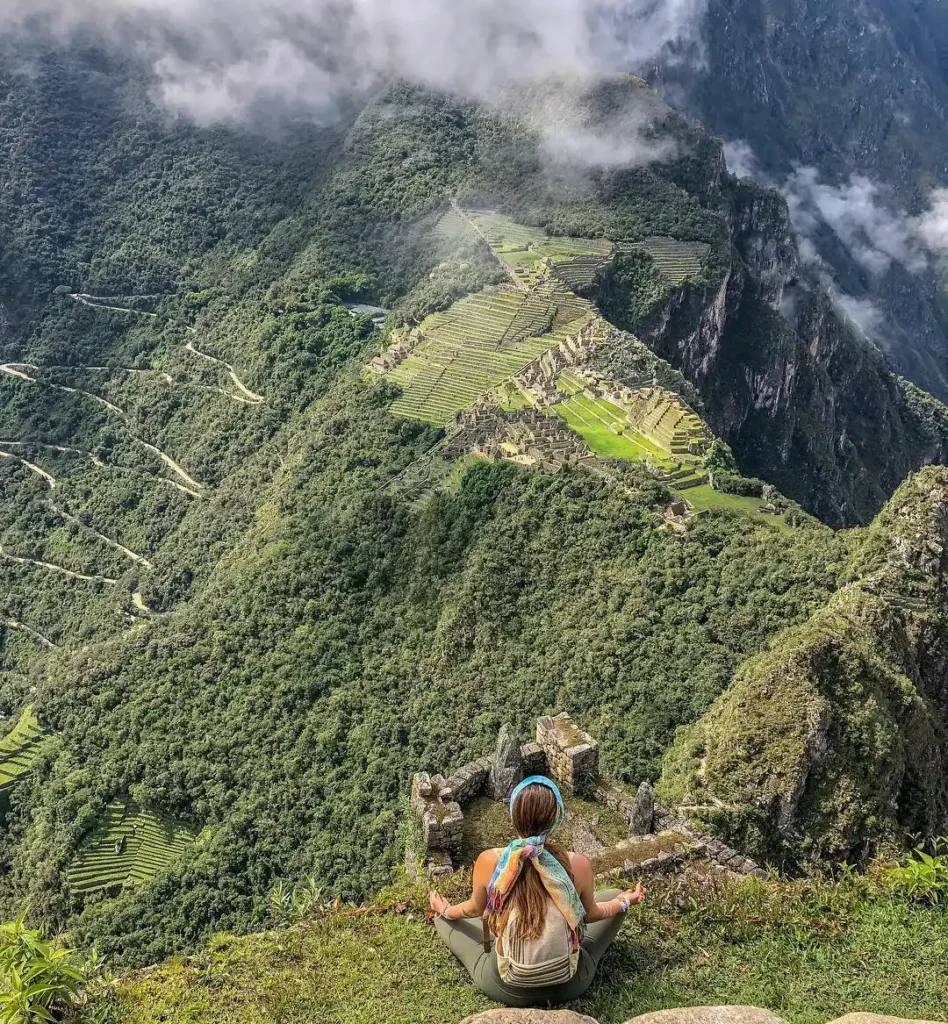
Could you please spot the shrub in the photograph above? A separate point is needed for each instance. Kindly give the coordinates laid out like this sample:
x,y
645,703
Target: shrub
x,y
923,877
41,983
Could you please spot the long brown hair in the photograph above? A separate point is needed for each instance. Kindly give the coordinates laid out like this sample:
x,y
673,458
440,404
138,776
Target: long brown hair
x,y
534,813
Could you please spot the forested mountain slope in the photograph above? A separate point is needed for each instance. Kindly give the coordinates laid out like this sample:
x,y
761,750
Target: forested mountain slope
x,y
272,615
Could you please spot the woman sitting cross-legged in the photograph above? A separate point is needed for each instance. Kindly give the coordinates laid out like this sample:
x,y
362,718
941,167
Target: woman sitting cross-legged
x,y
549,927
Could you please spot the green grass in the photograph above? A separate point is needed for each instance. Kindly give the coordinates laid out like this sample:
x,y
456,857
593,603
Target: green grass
x,y
590,418
706,498
481,341
131,846
19,749
807,951
487,825
510,239
600,439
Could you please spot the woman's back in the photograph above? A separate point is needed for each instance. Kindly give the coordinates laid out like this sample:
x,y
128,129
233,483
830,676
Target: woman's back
x,y
550,958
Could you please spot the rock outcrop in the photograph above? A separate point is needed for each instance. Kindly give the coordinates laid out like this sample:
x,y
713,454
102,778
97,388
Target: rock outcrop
x,y
511,1016
835,740
709,1015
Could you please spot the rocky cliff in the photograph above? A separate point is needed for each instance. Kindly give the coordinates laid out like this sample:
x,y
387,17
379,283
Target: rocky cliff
x,y
843,87
834,743
806,403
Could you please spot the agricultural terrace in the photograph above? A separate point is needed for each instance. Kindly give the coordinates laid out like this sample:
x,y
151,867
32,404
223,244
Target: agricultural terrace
x,y
654,428
678,261
481,341
131,846
521,248
19,750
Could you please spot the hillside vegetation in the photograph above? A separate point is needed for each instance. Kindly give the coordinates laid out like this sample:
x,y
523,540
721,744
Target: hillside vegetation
x,y
241,622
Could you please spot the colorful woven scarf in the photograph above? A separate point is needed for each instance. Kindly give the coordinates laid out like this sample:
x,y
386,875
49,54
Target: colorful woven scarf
x,y
556,881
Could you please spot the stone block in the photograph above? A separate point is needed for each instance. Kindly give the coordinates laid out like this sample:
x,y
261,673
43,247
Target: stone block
x,y
876,1018
709,1015
441,818
469,781
534,759
572,755
643,811
441,827
439,864
507,1015
507,769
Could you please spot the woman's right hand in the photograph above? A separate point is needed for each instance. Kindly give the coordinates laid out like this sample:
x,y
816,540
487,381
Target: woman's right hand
x,y
634,896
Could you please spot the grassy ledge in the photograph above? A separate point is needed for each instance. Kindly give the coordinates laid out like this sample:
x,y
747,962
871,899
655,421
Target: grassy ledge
x,y
809,951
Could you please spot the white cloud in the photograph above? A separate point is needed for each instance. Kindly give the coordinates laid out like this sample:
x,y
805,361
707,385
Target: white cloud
x,y
742,161
931,228
214,61
864,314
875,233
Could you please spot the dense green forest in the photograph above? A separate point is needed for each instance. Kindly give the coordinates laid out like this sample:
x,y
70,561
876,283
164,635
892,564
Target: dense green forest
x,y
232,612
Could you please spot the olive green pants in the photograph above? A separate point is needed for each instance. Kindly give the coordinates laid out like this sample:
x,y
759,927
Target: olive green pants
x,y
465,939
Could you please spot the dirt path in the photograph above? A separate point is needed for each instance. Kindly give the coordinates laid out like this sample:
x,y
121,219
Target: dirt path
x,y
246,396
161,374
134,556
139,602
13,371
98,463
38,637
251,397
63,450
99,302
55,568
32,467
169,461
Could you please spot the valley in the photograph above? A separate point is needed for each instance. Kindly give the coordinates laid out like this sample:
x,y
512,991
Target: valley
x,y
326,451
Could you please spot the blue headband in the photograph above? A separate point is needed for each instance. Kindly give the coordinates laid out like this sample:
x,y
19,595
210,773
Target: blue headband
x,y
540,780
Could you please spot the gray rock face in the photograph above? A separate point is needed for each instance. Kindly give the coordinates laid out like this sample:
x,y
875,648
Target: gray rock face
x,y
709,1015
509,1016
507,769
643,813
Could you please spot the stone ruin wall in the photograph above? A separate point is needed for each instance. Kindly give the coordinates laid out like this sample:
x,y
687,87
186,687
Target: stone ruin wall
x,y
570,757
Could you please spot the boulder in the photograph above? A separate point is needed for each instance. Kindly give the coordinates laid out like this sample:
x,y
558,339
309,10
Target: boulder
x,y
509,1016
876,1018
507,769
643,812
709,1015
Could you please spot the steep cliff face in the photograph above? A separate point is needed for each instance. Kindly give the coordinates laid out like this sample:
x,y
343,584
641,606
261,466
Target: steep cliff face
x,y
845,87
835,741
806,403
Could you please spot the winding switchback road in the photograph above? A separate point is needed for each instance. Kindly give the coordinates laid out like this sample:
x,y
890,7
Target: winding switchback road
x,y
38,637
55,568
13,369
246,396
251,397
96,461
134,556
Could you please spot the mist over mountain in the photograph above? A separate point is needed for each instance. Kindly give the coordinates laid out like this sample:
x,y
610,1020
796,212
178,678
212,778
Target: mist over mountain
x,y
843,106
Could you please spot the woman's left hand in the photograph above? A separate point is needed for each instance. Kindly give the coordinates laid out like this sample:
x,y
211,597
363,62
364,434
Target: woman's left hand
x,y
438,903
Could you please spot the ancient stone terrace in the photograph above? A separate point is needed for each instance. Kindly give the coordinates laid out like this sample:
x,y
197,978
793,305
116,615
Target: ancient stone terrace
x,y
653,840
526,437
